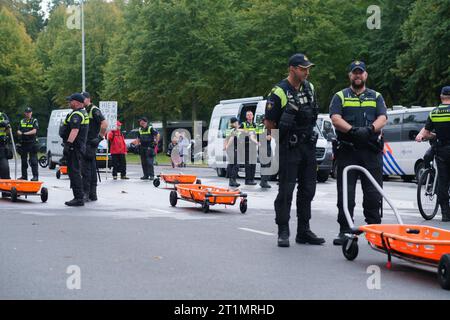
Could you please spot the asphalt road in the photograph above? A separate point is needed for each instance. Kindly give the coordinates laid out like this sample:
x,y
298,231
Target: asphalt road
x,y
131,244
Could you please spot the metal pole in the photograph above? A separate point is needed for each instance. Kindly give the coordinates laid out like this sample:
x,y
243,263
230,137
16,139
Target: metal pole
x,y
14,152
83,59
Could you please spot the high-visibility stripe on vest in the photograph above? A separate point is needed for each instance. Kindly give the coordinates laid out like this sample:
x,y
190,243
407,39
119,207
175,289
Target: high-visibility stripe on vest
x,y
24,123
440,114
147,131
84,121
90,112
278,91
356,102
2,129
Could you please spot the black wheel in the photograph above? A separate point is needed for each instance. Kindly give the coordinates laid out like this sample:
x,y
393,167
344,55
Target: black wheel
x,y
426,196
58,174
44,194
156,182
350,248
322,175
43,161
173,198
13,194
243,206
198,181
205,206
444,272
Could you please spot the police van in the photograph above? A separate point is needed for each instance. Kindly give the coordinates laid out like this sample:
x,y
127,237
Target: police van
x,y
402,155
54,142
228,109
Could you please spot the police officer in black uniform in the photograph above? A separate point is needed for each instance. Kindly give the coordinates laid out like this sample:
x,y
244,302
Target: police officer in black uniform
x,y
292,108
232,141
147,138
249,129
27,132
439,122
4,150
265,153
96,133
74,131
358,114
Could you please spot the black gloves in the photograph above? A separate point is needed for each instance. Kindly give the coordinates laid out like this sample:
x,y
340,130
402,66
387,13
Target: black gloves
x,y
67,148
361,134
96,141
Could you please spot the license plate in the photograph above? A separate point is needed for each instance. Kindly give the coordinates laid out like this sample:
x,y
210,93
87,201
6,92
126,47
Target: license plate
x,y
101,158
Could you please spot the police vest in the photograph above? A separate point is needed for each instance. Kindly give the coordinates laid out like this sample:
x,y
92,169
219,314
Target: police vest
x,y
146,137
232,131
2,129
249,127
359,111
303,100
26,126
440,117
94,127
65,128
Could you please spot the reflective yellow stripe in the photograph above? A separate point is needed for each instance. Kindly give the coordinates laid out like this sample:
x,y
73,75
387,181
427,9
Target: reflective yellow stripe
x,y
281,94
90,112
149,131
85,120
369,104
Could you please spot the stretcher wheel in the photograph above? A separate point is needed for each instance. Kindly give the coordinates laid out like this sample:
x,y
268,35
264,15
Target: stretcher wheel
x,y
444,272
198,181
44,194
173,198
14,194
243,206
58,174
156,182
205,206
350,248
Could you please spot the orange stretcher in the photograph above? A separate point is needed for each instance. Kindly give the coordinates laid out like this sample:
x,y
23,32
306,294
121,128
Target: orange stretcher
x,y
424,246
175,179
15,188
207,196
61,171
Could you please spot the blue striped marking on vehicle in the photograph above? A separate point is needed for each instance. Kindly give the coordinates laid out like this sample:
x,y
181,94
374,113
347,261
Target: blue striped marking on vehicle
x,y
395,163
389,164
386,169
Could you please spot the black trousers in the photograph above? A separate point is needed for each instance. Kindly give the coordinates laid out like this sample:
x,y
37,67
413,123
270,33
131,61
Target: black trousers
x,y
297,164
372,199
443,166
28,152
89,169
119,163
4,165
250,161
147,158
268,164
233,166
74,167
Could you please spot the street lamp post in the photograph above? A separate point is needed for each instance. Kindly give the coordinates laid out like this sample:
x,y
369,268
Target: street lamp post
x,y
83,59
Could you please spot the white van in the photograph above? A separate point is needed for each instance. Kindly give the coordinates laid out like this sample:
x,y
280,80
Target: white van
x,y
220,119
54,142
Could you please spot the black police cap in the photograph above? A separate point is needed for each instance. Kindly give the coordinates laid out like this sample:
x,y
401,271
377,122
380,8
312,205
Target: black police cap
x,y
86,94
28,109
445,91
143,119
77,97
357,64
300,60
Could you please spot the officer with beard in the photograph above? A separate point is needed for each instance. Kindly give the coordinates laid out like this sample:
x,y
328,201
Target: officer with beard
x,y
358,114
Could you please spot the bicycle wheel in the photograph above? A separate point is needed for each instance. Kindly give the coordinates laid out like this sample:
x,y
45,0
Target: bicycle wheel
x,y
426,198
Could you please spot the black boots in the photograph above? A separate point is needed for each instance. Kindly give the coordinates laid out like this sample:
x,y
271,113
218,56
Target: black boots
x,y
75,203
263,183
93,195
305,235
445,216
34,179
283,235
233,183
250,182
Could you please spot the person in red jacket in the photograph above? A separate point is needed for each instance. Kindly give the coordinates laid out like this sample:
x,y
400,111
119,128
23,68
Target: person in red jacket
x,y
118,150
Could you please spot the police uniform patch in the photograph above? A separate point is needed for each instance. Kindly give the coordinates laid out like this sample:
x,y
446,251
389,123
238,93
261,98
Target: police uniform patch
x,y
75,119
357,63
306,58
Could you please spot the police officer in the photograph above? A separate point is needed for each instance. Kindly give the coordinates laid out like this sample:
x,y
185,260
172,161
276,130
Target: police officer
x,y
74,131
292,108
96,133
439,121
4,165
249,128
147,139
264,134
358,114
27,132
232,141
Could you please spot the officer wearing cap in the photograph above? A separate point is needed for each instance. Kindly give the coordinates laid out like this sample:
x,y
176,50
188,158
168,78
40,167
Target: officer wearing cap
x,y
74,131
439,122
96,133
292,108
232,140
27,132
358,114
4,151
147,138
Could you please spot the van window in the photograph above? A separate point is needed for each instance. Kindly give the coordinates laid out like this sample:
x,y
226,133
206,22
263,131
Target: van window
x,y
244,109
223,126
327,128
412,123
392,132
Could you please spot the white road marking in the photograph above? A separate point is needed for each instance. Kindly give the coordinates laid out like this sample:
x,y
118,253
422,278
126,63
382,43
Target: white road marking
x,y
257,231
